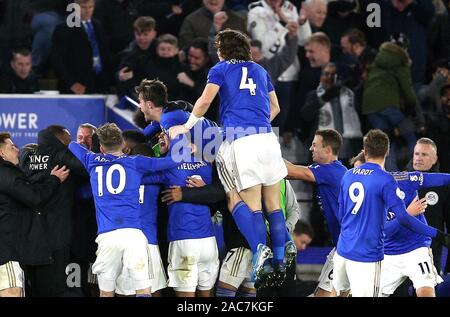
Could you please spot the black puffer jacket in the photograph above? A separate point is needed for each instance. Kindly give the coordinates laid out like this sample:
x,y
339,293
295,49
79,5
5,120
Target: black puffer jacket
x,y
21,238
57,212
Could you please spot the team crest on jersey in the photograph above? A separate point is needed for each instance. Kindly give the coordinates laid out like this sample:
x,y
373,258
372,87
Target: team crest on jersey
x,y
432,198
400,193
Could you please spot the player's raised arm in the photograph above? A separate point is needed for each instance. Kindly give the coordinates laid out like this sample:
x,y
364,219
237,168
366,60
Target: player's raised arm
x,y
80,152
146,164
299,172
200,108
435,180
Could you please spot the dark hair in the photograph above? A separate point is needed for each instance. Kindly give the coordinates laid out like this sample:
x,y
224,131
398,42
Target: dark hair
x,y
110,136
376,143
444,89
57,130
142,149
355,36
4,136
233,44
134,136
153,90
441,63
22,51
201,44
360,157
331,138
144,24
302,227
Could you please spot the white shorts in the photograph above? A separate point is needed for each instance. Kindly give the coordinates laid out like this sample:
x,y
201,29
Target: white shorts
x,y
416,265
362,278
249,161
11,275
236,268
119,249
326,275
193,264
157,274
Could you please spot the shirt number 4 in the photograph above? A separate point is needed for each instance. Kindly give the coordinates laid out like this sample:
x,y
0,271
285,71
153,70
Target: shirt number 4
x,y
250,85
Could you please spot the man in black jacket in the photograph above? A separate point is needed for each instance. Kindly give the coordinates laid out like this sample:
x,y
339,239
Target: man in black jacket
x,y
50,280
80,55
19,201
425,159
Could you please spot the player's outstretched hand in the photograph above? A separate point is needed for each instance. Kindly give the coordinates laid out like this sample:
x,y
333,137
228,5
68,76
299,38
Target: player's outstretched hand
x,y
172,195
61,172
417,206
177,130
443,238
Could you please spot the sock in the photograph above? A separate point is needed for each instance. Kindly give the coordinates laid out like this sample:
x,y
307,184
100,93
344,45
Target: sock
x,y
260,226
288,236
143,295
277,228
243,217
223,292
245,294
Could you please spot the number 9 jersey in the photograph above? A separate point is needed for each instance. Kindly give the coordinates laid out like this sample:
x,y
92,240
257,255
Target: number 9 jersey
x,y
367,192
244,95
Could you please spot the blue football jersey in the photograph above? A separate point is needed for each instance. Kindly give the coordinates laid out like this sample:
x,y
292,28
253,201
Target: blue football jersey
x,y
328,180
244,96
148,202
400,240
367,192
186,220
115,182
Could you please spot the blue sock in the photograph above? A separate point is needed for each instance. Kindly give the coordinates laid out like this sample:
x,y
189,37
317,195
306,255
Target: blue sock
x,y
223,292
245,294
288,236
277,227
260,226
243,217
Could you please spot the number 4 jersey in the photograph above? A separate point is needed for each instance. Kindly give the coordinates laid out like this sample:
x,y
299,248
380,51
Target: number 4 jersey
x,y
244,95
115,182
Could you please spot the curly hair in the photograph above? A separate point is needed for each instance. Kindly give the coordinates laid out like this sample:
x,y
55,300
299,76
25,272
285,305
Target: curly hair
x,y
233,44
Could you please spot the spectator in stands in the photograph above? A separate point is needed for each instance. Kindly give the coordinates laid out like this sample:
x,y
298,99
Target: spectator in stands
x,y
196,73
429,95
316,13
166,66
47,15
439,35
19,78
19,201
270,21
199,23
439,129
117,16
133,60
341,16
15,30
353,43
89,69
50,279
389,85
331,106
